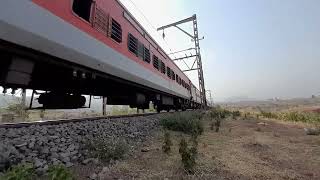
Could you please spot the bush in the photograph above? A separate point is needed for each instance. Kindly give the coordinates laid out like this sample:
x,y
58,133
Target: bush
x,y
59,172
217,124
20,172
219,113
18,109
187,122
307,117
236,114
166,147
300,117
269,115
188,155
108,149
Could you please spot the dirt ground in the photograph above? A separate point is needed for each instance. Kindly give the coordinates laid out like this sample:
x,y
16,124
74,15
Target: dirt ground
x,y
243,149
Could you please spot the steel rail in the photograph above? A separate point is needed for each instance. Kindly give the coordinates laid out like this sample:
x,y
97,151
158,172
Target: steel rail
x,y
75,120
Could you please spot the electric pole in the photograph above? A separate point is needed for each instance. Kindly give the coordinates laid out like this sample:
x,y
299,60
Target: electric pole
x,y
198,61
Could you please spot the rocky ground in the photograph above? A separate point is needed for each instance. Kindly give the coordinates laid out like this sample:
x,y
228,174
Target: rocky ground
x,y
65,143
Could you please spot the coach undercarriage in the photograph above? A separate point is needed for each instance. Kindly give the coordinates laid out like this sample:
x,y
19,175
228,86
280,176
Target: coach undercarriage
x,y
64,83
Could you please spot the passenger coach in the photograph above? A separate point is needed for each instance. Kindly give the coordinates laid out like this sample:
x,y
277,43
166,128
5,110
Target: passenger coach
x,y
69,48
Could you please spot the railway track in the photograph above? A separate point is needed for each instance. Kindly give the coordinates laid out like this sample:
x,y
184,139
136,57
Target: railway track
x,y
63,121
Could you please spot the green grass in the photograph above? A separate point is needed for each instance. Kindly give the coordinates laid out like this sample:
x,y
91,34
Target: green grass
x,y
187,122
20,172
59,172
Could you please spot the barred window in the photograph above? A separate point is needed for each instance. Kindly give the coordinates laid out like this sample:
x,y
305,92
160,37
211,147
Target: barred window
x,y
168,72
146,55
140,50
163,68
116,31
155,62
133,44
173,75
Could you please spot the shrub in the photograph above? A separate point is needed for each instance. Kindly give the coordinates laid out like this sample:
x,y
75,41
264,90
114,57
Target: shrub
x,y
59,172
217,124
19,109
187,122
219,113
269,115
300,117
166,147
188,155
236,114
183,145
20,172
108,149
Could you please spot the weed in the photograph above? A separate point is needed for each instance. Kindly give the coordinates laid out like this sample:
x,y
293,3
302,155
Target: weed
x,y
269,115
187,122
307,117
221,113
235,114
212,125
188,155
59,172
183,145
108,149
166,147
42,113
20,172
19,110
217,124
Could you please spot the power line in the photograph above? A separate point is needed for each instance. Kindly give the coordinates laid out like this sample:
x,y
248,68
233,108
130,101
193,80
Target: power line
x,y
155,29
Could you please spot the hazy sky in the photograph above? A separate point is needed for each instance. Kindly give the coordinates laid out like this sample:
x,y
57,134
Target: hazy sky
x,y
252,48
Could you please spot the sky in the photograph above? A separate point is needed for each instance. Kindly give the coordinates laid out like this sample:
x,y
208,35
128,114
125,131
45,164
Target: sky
x,y
255,49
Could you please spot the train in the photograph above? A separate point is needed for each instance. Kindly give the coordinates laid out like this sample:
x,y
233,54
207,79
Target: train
x,y
71,48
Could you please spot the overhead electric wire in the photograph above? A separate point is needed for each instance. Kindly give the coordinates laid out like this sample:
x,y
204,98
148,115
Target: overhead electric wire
x,y
155,29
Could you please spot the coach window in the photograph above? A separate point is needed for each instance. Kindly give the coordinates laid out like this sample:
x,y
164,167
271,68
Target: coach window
x,y
163,68
140,50
82,8
146,55
173,75
169,72
155,62
133,44
116,31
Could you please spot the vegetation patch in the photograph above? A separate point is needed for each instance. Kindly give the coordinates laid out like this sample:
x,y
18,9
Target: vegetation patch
x,y
20,172
107,149
306,117
187,122
59,172
188,155
166,147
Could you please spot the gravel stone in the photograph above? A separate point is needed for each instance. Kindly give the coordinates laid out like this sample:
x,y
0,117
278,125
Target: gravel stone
x,y
54,144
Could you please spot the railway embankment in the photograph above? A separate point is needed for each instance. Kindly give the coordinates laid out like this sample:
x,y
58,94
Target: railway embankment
x,y
45,145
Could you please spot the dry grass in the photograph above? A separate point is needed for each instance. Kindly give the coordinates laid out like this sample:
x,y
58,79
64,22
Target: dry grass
x,y
238,151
